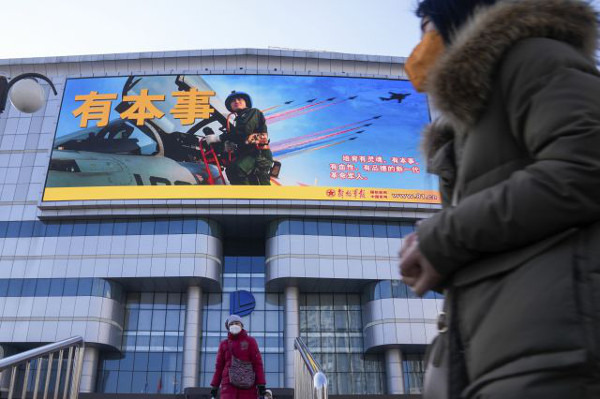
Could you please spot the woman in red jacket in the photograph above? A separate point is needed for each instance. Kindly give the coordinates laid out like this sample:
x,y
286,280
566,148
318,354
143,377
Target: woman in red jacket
x,y
243,347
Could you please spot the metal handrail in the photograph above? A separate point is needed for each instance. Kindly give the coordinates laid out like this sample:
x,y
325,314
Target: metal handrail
x,y
67,377
37,352
310,380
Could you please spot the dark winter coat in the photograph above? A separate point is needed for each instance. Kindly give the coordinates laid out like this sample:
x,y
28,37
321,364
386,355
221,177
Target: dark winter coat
x,y
253,154
247,122
517,149
245,348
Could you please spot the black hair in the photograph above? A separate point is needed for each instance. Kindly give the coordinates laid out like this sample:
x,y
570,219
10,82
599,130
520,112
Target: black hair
x,y
449,15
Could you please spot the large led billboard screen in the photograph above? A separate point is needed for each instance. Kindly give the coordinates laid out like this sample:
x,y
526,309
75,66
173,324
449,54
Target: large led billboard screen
x,y
288,137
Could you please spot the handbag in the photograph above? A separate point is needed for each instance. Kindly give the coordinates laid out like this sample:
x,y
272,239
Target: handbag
x,y
436,381
241,373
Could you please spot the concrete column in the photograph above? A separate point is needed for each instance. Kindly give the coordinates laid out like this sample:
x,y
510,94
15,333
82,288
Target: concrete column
x,y
191,337
292,330
89,369
393,371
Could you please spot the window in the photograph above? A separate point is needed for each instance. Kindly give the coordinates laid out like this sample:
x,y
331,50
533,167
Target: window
x,y
26,229
152,356
283,228
296,227
120,227
338,345
43,286
393,289
352,229
79,228
65,229
380,230
406,228
28,287
134,227
15,286
175,226
4,287
310,228
161,226
324,228
338,228
341,228
366,229
92,228
106,228
37,228
413,369
70,287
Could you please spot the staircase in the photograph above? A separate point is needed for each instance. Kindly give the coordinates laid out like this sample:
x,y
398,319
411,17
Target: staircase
x,y
51,371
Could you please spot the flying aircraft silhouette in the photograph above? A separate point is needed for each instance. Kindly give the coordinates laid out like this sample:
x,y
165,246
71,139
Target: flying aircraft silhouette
x,y
395,96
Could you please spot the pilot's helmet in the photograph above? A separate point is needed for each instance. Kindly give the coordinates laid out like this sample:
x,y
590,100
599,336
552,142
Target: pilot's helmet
x,y
238,94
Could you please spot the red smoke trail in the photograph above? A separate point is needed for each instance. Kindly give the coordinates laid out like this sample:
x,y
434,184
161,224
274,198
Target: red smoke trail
x,y
306,150
269,109
305,136
312,140
280,108
301,112
281,114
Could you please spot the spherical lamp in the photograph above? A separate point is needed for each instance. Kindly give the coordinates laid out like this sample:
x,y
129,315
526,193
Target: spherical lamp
x,y
27,95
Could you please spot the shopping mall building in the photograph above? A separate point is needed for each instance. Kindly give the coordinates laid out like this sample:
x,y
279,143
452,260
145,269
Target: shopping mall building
x,y
148,283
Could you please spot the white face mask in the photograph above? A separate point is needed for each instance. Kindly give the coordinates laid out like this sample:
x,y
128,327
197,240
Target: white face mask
x,y
235,329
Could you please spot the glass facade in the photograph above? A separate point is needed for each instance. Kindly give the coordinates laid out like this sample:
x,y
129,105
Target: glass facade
x,y
331,327
39,228
152,347
58,287
341,228
413,368
393,289
265,323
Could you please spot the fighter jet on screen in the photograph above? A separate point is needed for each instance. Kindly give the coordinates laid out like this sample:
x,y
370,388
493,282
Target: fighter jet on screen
x,y
395,96
161,152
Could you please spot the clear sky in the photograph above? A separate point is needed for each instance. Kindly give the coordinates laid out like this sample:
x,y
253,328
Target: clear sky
x,y
36,28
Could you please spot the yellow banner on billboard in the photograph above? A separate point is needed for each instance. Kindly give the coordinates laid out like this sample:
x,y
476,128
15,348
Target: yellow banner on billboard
x,y
240,192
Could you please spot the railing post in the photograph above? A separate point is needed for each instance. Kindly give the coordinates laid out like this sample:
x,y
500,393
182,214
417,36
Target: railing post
x,y
68,372
78,368
48,374
39,363
25,380
13,377
69,379
58,373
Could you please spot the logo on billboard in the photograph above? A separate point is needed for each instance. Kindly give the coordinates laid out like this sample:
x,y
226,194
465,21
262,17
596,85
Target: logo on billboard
x,y
241,303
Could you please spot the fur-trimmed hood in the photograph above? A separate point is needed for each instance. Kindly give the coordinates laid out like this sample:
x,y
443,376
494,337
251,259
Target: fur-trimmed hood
x,y
461,83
